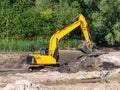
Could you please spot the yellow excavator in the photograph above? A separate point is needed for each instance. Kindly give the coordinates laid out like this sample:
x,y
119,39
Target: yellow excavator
x,y
51,55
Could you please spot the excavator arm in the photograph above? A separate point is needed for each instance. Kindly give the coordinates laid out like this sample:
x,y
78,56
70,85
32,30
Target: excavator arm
x,y
64,31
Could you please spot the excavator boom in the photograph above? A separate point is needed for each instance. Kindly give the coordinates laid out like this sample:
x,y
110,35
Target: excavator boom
x,y
62,32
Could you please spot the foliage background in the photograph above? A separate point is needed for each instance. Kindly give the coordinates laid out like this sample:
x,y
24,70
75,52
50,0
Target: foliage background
x,y
37,20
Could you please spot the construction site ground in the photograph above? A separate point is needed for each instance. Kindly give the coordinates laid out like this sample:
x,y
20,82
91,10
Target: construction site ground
x,y
75,73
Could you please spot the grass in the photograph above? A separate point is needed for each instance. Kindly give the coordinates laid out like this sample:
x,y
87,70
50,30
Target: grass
x,y
69,44
27,45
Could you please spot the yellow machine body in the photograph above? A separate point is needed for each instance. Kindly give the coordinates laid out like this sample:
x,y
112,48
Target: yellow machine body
x,y
38,59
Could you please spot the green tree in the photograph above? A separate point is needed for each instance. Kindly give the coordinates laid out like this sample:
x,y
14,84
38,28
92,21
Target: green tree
x,y
33,19
103,19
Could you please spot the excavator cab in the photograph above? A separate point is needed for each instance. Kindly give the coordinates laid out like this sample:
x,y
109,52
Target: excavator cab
x,y
44,51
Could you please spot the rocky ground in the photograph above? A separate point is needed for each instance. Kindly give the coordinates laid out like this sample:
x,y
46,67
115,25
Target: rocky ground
x,y
14,74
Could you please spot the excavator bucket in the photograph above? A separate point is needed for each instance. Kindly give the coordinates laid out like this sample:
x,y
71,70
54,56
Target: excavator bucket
x,y
85,47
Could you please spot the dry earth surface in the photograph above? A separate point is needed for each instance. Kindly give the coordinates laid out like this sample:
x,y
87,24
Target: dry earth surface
x,y
14,74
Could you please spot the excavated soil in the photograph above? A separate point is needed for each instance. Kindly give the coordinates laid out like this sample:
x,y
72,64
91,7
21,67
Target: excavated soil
x,y
12,60
70,62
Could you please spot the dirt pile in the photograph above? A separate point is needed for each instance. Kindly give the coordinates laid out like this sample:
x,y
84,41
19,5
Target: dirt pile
x,y
22,85
84,63
12,60
74,61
